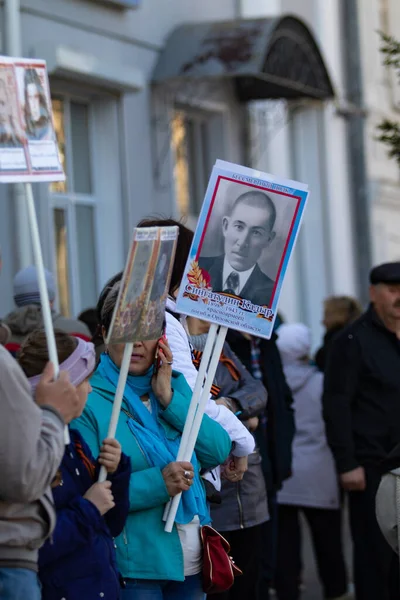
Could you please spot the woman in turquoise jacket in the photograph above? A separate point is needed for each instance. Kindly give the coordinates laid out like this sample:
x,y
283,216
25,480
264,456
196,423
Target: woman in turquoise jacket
x,y
155,565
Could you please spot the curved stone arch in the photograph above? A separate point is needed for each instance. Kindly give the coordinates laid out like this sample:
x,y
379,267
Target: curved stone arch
x,y
266,58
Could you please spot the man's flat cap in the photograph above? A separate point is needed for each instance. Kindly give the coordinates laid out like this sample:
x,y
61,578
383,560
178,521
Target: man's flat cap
x,y
386,273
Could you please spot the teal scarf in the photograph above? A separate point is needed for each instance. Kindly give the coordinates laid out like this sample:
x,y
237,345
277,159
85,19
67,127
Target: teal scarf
x,y
150,434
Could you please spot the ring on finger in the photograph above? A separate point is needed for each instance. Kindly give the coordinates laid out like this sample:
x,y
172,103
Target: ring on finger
x,y
186,474
169,362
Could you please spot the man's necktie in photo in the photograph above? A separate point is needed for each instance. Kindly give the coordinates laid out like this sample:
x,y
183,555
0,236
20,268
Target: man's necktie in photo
x,y
232,284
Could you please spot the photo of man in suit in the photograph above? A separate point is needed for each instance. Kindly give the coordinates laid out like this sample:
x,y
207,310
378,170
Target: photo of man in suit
x,y
248,229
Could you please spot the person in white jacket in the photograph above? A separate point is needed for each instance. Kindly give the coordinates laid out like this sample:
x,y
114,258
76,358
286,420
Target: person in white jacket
x,y
241,437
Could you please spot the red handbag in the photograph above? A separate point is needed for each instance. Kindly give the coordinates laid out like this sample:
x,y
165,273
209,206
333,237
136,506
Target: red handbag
x,y
219,569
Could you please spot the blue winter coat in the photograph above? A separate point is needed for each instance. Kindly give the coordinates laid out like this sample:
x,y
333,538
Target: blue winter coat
x,y
78,562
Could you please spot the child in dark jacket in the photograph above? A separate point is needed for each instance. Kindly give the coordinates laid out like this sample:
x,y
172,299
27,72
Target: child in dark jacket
x,y
79,562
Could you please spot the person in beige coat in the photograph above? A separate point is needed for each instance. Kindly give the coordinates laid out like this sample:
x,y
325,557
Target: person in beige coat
x,y
31,449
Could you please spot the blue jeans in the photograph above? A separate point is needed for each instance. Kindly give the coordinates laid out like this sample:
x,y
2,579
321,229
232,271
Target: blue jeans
x,y
146,589
19,584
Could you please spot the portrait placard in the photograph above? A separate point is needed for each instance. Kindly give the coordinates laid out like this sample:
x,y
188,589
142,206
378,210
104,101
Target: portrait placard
x,y
28,145
140,309
241,248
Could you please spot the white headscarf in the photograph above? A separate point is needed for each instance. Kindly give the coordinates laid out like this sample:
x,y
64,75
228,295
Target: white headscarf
x,y
294,341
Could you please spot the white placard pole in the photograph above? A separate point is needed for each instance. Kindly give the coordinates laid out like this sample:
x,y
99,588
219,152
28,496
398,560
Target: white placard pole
x,y
119,395
205,359
44,295
194,432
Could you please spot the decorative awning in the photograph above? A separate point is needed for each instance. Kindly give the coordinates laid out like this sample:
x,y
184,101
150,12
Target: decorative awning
x,y
267,58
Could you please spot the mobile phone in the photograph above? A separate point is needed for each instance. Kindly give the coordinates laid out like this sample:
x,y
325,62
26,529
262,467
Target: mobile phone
x,y
157,359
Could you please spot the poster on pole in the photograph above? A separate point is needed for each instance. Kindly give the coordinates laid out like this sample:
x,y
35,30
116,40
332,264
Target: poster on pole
x,y
28,144
245,235
140,309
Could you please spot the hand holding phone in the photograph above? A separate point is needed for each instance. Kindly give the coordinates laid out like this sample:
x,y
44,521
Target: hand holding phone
x,y
163,372
157,358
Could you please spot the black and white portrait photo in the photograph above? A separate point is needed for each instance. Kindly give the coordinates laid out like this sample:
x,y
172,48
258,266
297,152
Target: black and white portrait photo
x,y
245,241
159,284
37,112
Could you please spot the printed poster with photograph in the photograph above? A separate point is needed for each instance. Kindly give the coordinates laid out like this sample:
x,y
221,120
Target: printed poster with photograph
x,y
241,248
28,144
140,309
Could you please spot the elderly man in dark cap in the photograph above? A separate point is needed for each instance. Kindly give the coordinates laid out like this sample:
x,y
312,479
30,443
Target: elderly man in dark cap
x,y
362,414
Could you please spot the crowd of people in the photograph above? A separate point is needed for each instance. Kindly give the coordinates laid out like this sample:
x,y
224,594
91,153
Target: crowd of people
x,y
285,434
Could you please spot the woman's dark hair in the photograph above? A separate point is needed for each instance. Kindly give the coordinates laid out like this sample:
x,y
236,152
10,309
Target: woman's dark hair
x,y
185,240
104,293
89,317
34,355
97,338
107,309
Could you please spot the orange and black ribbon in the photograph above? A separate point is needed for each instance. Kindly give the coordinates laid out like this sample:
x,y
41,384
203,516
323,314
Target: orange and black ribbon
x,y
227,362
86,461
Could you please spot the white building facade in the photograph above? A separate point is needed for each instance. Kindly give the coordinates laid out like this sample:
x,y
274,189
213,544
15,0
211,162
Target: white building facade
x,y
138,136
382,100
